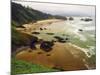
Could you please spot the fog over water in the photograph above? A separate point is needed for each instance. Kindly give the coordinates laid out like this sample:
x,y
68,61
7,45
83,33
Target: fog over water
x,y
61,9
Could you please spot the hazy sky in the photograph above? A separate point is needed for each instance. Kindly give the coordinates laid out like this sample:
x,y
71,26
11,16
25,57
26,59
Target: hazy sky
x,y
62,9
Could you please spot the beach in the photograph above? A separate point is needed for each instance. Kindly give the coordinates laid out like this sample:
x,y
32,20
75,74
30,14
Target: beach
x,y
66,56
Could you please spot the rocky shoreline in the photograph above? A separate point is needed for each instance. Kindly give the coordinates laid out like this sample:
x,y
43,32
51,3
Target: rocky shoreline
x,y
53,54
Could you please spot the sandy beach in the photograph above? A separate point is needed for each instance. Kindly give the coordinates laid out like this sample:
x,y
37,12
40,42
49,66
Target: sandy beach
x,y
62,56
66,56
35,26
52,37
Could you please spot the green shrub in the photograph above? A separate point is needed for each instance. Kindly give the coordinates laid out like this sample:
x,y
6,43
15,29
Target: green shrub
x,y
22,67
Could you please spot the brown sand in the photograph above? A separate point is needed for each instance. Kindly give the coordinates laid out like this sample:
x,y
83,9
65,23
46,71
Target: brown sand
x,y
62,56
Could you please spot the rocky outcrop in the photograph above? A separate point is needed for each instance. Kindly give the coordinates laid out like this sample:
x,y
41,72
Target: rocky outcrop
x,y
46,46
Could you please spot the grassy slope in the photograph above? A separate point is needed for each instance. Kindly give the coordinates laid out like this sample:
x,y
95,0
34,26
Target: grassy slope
x,y
22,67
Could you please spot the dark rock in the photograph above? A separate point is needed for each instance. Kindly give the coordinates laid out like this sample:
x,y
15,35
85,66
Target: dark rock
x,y
80,30
32,46
67,38
34,40
86,19
71,18
41,29
50,33
66,18
59,38
62,41
35,32
46,46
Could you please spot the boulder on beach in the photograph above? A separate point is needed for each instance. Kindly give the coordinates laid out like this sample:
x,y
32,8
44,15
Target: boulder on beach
x,y
35,32
46,46
67,38
41,28
80,30
50,33
71,18
34,40
60,39
86,19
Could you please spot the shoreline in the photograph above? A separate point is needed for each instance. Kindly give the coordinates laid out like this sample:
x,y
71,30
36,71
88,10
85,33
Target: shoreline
x,y
33,26
39,24
60,51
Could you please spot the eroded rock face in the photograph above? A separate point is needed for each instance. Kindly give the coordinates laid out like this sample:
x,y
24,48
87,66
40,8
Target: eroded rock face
x,y
46,46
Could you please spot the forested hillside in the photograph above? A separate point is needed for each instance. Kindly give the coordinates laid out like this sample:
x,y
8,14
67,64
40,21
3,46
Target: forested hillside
x,y
21,15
